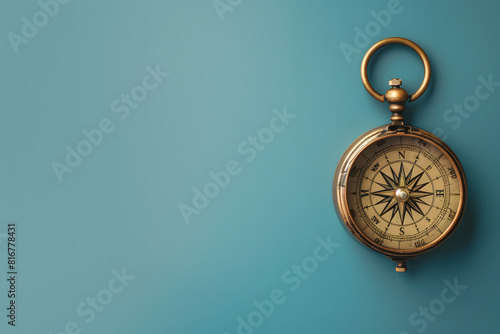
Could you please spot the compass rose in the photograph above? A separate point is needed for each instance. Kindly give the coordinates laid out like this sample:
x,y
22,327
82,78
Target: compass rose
x,y
401,193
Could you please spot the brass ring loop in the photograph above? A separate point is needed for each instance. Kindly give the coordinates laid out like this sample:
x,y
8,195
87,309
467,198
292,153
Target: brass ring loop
x,y
395,40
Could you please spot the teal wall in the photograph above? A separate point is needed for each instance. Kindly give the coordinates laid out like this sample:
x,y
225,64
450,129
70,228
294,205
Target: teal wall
x,y
115,115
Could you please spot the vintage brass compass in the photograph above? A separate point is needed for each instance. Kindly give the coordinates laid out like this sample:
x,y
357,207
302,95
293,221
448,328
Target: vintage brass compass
x,y
398,189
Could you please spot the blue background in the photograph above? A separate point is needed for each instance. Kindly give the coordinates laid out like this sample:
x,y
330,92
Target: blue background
x,y
120,207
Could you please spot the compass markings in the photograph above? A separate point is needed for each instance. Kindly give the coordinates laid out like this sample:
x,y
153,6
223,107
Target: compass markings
x,y
420,187
366,177
401,180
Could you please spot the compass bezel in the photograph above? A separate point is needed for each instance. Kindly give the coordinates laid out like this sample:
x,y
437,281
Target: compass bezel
x,y
344,167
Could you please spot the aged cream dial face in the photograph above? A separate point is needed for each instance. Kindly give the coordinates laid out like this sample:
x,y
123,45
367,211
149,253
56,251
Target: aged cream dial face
x,y
403,192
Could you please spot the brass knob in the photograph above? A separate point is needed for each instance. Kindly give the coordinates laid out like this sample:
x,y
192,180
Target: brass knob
x,y
401,267
396,97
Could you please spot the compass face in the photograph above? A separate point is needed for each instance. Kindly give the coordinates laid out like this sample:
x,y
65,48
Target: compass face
x,y
403,193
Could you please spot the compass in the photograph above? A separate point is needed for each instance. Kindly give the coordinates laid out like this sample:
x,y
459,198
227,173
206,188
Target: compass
x,y
398,189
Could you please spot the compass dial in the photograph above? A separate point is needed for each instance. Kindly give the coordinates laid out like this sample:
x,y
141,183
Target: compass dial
x,y
403,192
